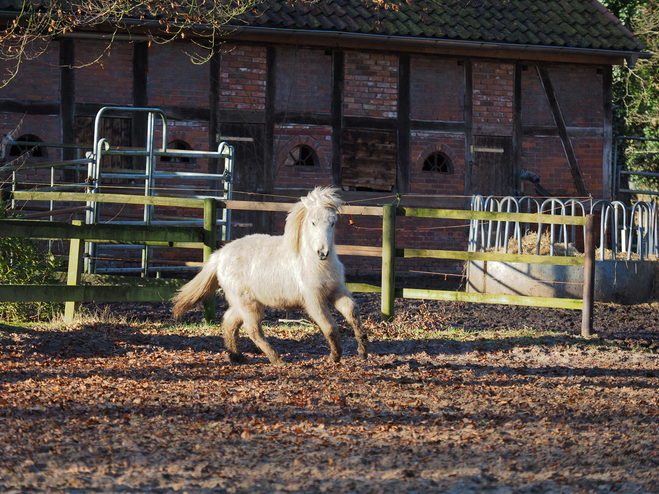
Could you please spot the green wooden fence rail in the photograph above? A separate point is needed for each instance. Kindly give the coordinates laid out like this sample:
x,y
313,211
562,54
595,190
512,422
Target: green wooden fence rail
x,y
73,293
390,252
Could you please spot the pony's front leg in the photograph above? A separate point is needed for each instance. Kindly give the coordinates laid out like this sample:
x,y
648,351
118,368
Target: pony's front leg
x,y
324,319
346,305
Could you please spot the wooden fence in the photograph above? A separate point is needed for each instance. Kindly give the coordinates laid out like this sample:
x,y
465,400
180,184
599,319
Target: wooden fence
x,y
144,289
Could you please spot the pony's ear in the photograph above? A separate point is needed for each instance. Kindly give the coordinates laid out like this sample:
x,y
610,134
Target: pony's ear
x,y
293,227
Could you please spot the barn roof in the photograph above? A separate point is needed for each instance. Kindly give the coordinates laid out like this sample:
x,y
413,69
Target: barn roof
x,y
552,25
581,24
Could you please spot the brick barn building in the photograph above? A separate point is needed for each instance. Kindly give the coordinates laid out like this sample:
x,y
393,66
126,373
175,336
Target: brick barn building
x,y
431,101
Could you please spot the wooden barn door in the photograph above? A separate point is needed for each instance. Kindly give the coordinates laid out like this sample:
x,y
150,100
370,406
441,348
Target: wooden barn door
x,y
492,170
369,159
116,130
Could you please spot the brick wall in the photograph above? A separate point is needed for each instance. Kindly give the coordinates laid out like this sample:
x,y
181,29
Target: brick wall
x,y
108,81
318,138
545,157
243,77
436,89
303,80
579,93
371,84
493,93
174,80
37,80
423,144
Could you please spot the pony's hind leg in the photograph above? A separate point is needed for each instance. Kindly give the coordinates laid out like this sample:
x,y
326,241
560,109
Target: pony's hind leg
x,y
346,305
230,325
252,319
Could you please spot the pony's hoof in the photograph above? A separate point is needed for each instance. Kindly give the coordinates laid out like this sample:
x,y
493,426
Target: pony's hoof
x,y
237,358
335,357
278,362
364,355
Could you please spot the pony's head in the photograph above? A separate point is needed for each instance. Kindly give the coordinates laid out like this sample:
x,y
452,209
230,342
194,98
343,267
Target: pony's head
x,y
312,221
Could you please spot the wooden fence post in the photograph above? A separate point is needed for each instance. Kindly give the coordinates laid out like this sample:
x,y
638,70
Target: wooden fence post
x,y
76,248
388,261
588,278
210,244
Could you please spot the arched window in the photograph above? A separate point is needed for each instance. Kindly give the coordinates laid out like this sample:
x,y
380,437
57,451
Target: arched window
x,y
302,156
178,145
438,162
34,150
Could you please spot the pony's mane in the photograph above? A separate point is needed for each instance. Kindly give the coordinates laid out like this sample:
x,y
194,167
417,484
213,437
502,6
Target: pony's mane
x,y
322,197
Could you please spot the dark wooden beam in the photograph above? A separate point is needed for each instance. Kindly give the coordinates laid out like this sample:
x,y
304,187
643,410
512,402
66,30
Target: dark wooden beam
x,y
302,118
437,126
67,100
575,132
517,128
12,105
140,91
403,152
269,131
573,163
214,107
373,123
337,114
468,111
607,130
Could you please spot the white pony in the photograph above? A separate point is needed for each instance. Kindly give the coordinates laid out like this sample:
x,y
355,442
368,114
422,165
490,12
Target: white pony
x,y
298,270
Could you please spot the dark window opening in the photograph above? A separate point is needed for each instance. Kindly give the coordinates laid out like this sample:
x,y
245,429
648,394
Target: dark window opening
x,y
438,162
33,150
181,146
302,156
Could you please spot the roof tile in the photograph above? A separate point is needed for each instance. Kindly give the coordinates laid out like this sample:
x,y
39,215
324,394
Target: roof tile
x,y
557,23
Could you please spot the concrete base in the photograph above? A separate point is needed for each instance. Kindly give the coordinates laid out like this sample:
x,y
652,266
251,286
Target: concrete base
x,y
623,282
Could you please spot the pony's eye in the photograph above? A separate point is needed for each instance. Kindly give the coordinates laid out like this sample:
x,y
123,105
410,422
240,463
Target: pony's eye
x,y
313,223
332,223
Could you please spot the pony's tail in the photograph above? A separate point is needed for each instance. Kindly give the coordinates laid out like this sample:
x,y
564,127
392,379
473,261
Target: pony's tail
x,y
201,287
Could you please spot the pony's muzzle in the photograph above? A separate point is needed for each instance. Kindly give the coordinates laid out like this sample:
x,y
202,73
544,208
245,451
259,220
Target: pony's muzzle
x,y
322,254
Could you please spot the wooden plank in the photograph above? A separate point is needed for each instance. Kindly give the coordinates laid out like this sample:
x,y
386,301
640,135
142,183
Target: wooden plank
x,y
102,232
358,250
572,160
76,249
388,261
181,202
488,298
113,279
369,159
85,293
210,241
491,256
362,210
488,216
363,288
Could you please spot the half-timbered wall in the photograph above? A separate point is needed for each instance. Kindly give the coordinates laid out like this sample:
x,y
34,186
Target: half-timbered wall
x,y
371,118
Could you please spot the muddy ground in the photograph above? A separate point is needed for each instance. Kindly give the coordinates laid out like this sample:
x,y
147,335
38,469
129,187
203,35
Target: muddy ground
x,y
455,397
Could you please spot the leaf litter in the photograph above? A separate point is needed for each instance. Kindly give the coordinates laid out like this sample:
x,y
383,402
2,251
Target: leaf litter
x,y
455,397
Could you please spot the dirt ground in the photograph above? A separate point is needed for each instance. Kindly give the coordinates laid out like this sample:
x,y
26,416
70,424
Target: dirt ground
x,y
454,398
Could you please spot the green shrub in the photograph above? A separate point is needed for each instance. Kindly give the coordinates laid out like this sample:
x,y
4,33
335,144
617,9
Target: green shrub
x,y
23,262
